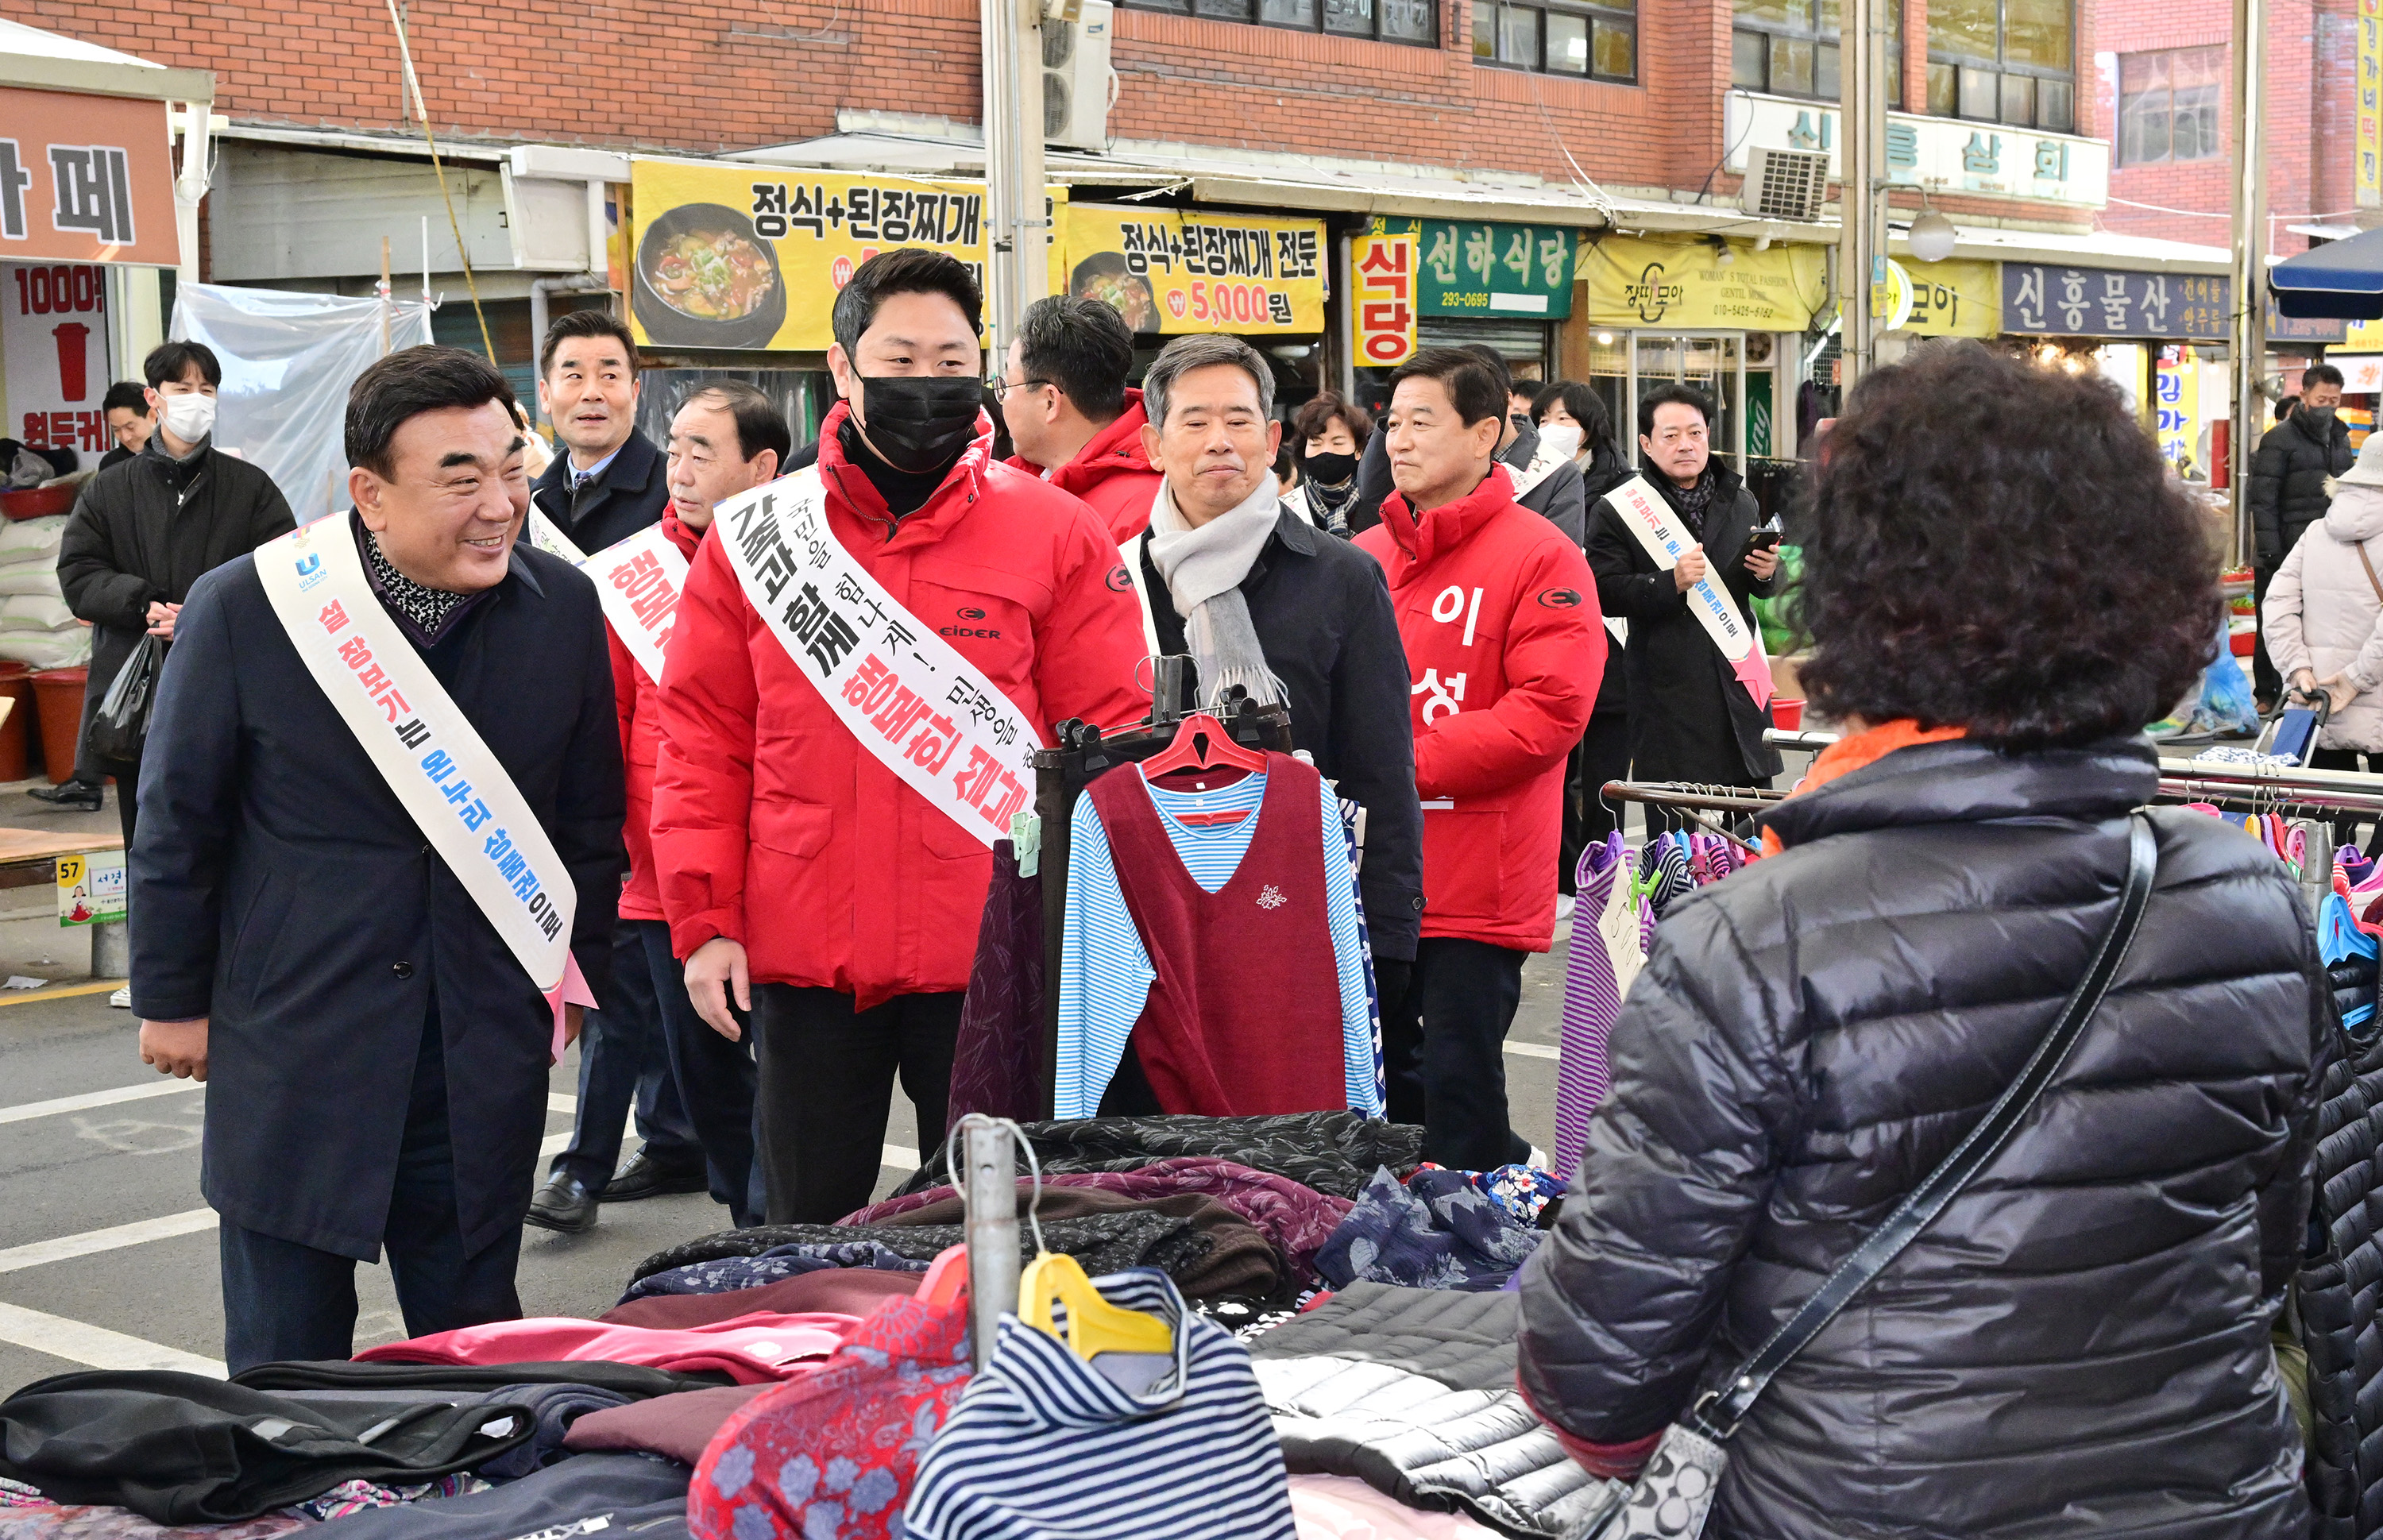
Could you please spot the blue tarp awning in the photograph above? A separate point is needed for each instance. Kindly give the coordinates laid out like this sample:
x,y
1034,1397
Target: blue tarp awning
x,y
2341,280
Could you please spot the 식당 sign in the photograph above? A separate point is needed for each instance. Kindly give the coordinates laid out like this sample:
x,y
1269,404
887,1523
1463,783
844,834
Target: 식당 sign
x,y
1171,271
85,179
2103,301
1381,299
1486,269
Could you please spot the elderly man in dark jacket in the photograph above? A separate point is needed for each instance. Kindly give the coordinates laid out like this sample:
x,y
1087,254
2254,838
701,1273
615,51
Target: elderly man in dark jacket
x,y
610,482
2290,474
378,1050
1320,609
149,527
1691,718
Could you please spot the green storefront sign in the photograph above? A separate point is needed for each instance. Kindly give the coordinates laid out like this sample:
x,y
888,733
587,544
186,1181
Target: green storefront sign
x,y
1482,269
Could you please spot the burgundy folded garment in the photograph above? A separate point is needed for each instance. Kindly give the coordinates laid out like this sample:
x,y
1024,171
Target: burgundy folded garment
x,y
677,1425
831,1290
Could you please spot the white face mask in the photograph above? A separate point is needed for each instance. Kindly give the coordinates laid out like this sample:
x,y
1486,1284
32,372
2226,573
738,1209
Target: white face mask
x,y
190,417
1561,439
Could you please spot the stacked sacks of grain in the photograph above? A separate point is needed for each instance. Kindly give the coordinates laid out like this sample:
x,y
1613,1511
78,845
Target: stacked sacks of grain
x,y
36,627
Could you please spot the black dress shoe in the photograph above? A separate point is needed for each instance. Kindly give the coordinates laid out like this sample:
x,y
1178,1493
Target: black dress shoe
x,y
81,795
563,1203
646,1178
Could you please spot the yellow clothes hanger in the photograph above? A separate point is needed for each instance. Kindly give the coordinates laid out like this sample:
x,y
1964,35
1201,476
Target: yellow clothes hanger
x,y
1095,1325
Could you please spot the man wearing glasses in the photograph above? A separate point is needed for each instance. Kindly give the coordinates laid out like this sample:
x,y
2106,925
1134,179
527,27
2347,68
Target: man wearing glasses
x,y
1074,424
1691,719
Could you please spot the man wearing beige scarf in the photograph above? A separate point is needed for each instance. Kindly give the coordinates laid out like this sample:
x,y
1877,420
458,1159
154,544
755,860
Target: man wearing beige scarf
x,y
1261,599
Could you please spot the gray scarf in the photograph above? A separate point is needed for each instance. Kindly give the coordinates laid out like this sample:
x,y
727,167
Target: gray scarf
x,y
1204,569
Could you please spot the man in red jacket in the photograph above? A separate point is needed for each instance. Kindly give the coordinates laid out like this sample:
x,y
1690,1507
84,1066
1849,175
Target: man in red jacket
x,y
1064,398
805,871
1505,647
726,438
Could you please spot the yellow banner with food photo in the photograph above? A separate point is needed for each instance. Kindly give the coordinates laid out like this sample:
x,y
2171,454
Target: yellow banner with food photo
x,y
1173,270
751,257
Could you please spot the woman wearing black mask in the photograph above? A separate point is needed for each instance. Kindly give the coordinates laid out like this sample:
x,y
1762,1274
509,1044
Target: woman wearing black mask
x,y
1332,433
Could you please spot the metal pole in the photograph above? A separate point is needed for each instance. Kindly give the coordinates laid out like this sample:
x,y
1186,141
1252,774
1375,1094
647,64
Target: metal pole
x,y
1018,222
1861,119
991,1185
2249,335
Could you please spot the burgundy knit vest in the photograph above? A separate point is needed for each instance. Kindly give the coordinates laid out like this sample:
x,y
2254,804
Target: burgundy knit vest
x,y
1244,1017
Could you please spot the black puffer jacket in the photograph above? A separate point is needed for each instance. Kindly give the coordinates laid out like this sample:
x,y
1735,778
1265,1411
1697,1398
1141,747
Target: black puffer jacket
x,y
2288,477
2079,1344
2340,1289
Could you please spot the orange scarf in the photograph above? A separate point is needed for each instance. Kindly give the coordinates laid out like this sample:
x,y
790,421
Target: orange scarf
x,y
1848,755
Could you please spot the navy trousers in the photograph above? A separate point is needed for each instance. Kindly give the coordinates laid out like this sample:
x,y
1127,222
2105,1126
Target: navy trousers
x,y
285,1300
623,1059
715,1078
1444,1051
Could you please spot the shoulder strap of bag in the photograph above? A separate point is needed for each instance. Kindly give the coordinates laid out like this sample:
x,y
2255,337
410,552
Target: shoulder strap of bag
x,y
2369,566
1718,1414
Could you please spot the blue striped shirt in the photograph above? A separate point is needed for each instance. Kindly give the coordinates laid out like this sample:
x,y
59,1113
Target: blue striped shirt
x,y
1104,973
1044,1446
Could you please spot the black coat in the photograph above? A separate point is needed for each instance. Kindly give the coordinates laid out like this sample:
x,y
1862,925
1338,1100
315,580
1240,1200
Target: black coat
x,y
2079,1345
282,890
145,529
1561,497
2340,1315
1690,718
629,495
2288,477
1322,611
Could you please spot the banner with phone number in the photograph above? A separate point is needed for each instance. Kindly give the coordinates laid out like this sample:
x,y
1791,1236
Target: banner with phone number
x,y
1169,271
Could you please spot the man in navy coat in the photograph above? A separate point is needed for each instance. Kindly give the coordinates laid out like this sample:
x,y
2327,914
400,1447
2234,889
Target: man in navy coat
x,y
377,1055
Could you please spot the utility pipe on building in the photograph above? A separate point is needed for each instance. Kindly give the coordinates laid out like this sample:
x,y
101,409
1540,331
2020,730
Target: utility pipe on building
x,y
2249,341
1018,222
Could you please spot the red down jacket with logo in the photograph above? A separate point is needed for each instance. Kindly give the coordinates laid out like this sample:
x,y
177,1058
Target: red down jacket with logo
x,y
774,826
638,701
1505,648
1112,474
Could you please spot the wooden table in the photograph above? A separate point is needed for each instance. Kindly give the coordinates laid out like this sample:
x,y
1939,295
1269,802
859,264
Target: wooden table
x,y
29,858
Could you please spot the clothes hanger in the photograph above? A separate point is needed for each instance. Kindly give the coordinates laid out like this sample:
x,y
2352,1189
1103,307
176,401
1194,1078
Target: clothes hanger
x,y
1201,744
946,1281
1095,1325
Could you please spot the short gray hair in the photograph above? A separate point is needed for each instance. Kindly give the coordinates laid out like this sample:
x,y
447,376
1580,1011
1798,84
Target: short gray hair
x,y
1198,352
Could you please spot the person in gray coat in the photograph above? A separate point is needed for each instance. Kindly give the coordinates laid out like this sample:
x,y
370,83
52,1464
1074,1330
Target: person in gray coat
x,y
2079,1342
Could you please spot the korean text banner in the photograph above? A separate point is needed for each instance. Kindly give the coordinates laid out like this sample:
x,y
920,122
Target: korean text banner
x,y
2100,302
1483,269
1638,282
2367,174
1945,299
1172,270
752,256
1381,299
85,179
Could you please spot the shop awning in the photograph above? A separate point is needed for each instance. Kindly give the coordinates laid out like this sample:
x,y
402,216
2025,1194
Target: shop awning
x,y
2340,280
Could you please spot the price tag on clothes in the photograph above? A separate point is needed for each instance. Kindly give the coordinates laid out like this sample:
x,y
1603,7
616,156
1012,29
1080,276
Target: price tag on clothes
x,y
638,581
920,707
1657,531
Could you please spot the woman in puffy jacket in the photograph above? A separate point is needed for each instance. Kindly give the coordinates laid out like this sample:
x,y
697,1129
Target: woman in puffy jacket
x,y
2323,616
2001,587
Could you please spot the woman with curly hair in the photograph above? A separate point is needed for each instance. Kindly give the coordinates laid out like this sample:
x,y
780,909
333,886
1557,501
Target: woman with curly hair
x,y
2002,586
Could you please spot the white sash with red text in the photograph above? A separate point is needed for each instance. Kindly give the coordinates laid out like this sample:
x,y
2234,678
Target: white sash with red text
x,y
924,712
638,581
444,775
1650,519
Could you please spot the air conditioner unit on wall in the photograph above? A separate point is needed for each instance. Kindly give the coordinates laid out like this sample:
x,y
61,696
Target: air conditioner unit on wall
x,y
1786,184
1078,84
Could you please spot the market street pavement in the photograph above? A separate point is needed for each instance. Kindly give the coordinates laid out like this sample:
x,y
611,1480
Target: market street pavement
x,y
107,1254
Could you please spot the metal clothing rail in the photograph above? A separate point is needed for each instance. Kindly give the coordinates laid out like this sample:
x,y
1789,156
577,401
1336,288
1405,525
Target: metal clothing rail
x,y
1687,799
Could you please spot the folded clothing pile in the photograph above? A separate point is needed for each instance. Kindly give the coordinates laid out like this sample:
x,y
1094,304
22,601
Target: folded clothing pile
x,y
1439,1229
36,627
1330,1151
1102,1242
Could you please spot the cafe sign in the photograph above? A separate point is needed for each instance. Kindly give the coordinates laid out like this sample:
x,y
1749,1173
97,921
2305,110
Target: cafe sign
x,y
85,179
1943,155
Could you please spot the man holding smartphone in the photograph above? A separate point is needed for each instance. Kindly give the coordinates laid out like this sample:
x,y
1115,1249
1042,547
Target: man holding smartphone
x,y
1691,718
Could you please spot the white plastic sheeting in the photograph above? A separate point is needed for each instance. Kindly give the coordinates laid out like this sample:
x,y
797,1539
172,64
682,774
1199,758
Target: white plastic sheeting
x,y
288,362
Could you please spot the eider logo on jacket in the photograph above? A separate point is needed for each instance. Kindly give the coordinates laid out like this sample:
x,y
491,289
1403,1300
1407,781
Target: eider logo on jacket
x,y
1560,599
1270,897
970,612
1118,579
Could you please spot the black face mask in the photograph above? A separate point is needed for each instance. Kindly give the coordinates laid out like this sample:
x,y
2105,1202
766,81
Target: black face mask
x,y
2320,415
1331,469
920,423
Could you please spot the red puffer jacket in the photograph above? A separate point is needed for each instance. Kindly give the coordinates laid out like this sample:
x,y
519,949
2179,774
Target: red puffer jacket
x,y
1505,647
774,826
1112,474
638,701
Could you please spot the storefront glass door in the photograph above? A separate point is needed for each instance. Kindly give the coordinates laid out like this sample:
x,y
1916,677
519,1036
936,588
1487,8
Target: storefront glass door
x,y
1713,362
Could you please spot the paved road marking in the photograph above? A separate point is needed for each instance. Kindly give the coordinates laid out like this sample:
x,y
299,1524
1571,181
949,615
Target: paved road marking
x,y
114,1238
79,1343
160,1087
1532,1049
65,992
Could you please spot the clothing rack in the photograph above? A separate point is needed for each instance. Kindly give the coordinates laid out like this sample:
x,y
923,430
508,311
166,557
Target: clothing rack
x,y
1085,752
